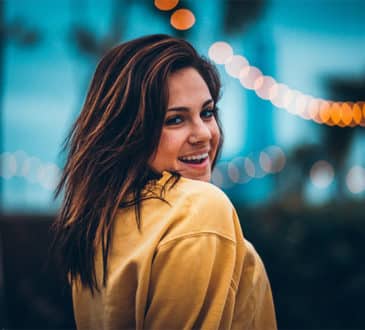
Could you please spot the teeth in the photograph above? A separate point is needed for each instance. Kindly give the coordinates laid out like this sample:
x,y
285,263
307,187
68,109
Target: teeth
x,y
197,157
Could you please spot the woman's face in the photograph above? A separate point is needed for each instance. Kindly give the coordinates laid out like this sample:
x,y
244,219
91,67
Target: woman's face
x,y
190,134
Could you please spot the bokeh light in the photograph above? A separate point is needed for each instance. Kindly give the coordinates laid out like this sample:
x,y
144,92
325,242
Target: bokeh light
x,y
166,4
301,104
343,114
48,176
182,19
324,112
248,76
322,174
335,112
265,162
278,95
263,86
237,170
362,123
220,52
288,99
31,168
235,64
20,157
356,114
277,157
217,177
313,110
220,175
233,172
8,165
355,179
249,167
346,113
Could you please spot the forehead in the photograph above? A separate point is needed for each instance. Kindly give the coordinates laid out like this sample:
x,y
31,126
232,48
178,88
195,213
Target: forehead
x,y
187,87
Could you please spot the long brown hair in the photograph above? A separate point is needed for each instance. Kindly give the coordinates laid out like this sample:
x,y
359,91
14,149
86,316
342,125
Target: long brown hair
x,y
109,145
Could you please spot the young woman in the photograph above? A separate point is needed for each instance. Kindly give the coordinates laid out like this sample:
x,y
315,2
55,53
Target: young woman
x,y
146,241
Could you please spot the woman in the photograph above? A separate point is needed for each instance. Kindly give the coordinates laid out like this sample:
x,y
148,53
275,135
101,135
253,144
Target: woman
x,y
146,241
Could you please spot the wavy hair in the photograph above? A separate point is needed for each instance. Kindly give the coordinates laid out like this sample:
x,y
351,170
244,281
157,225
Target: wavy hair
x,y
109,145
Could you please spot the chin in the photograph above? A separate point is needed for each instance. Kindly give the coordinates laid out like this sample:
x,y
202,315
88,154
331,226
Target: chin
x,y
204,177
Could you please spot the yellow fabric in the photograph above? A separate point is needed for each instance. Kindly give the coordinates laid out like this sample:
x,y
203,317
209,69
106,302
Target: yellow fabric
x,y
187,267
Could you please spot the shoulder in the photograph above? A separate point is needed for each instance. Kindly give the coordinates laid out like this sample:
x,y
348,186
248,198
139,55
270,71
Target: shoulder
x,y
200,193
200,208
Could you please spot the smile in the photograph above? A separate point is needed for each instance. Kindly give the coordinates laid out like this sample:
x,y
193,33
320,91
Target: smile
x,y
196,159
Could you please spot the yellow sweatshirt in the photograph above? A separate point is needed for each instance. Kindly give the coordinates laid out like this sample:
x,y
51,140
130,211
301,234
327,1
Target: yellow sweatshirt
x,y
188,267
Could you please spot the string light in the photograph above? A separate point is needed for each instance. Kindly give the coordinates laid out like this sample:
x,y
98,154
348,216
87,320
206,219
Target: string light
x,y
249,75
235,64
342,114
241,170
9,165
220,175
31,168
220,52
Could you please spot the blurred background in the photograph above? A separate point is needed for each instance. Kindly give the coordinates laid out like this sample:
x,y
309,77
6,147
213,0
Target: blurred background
x,y
293,163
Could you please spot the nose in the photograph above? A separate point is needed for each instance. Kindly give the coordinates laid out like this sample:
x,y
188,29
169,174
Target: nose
x,y
200,132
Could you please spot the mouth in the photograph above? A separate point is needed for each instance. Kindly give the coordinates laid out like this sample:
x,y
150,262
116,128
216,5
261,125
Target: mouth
x,y
195,160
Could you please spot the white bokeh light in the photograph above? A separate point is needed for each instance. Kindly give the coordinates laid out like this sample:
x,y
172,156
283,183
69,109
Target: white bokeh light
x,y
263,86
249,167
277,156
322,174
31,168
8,165
20,157
220,52
235,64
237,170
248,76
355,179
278,95
265,162
48,176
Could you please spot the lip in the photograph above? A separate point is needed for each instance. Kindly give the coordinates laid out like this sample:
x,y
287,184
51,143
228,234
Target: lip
x,y
202,165
197,153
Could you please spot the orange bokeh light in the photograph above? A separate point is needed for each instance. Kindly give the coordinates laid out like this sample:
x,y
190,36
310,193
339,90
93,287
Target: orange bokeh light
x,y
166,4
324,112
356,115
346,113
335,112
182,19
362,108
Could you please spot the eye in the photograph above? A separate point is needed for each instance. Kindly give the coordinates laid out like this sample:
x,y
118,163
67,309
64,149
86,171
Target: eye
x,y
174,120
208,113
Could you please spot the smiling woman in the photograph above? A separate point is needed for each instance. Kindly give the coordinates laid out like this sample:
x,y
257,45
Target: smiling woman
x,y
144,239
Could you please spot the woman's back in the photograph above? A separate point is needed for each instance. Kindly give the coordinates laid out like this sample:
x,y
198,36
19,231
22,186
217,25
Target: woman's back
x,y
187,266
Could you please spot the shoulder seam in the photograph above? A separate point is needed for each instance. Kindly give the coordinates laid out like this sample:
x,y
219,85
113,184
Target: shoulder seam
x,y
200,233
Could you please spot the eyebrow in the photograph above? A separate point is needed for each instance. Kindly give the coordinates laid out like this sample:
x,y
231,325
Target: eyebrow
x,y
187,109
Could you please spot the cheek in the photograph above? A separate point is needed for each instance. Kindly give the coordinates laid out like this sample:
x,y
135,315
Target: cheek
x,y
215,133
170,145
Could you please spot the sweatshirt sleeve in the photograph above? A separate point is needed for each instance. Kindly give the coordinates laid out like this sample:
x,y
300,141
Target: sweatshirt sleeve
x,y
254,308
191,284
206,275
